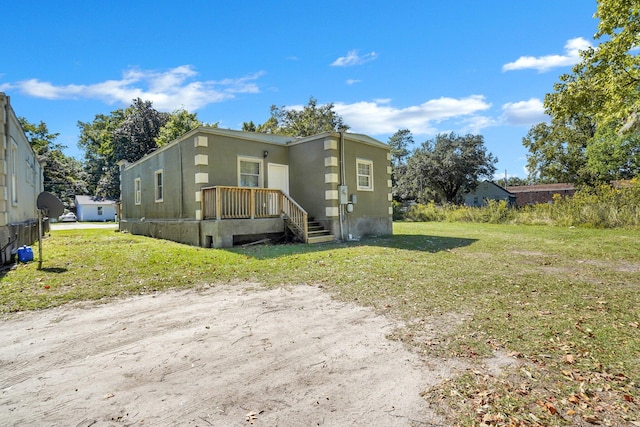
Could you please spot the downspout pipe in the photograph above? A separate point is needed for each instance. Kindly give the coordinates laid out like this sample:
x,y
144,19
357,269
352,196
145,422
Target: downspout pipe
x,y
342,182
181,180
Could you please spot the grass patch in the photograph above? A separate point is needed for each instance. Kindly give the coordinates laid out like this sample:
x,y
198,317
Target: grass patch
x,y
563,300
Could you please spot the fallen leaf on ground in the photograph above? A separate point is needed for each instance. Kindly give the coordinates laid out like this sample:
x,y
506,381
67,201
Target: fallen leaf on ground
x,y
552,409
592,419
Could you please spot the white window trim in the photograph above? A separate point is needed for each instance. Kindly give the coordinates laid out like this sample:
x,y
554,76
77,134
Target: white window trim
x,y
14,173
155,185
137,188
366,162
257,160
29,172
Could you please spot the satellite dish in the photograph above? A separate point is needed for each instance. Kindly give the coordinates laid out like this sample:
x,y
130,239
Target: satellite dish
x,y
51,204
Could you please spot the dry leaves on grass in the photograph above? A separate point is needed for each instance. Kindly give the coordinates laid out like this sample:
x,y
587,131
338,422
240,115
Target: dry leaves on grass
x,y
532,396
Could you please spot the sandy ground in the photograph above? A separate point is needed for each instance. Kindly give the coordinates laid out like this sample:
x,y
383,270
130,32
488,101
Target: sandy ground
x,y
230,356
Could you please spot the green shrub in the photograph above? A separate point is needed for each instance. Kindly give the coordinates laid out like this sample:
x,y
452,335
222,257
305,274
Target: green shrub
x,y
398,211
428,212
598,207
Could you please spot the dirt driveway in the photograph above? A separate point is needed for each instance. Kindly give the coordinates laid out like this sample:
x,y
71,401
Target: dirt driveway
x,y
225,356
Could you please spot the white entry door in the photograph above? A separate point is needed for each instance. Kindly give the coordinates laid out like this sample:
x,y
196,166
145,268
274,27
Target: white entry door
x,y
278,177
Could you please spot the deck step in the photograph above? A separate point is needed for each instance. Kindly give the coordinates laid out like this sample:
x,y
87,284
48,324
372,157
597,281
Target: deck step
x,y
317,233
322,239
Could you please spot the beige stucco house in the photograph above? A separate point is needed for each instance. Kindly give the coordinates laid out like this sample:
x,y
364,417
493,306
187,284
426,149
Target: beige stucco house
x,y
216,188
21,181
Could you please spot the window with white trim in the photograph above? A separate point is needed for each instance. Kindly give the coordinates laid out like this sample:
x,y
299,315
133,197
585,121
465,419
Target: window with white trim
x,y
364,174
249,172
14,173
138,190
29,172
159,185
99,210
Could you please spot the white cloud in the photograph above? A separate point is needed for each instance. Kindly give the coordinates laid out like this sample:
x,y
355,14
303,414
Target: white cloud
x,y
353,58
523,113
475,124
353,81
461,115
167,90
380,117
545,63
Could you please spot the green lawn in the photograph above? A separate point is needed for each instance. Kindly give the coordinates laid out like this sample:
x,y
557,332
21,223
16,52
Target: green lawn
x,y
565,301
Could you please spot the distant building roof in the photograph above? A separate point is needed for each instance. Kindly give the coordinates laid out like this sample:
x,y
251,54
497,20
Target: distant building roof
x,y
506,189
541,188
93,200
624,183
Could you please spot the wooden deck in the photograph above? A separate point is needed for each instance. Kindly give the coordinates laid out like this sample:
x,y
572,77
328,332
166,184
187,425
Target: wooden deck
x,y
223,202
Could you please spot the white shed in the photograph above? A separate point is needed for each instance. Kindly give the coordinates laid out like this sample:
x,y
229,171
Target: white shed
x,y
89,208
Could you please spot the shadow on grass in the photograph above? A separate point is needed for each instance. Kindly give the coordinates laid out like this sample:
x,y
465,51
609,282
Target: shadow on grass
x,y
5,269
408,242
418,242
53,269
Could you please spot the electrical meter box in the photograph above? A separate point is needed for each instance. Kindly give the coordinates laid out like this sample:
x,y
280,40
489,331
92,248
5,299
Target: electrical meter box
x,y
343,194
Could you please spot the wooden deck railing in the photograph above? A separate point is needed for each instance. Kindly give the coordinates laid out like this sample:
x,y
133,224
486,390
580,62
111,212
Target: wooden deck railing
x,y
223,202
296,217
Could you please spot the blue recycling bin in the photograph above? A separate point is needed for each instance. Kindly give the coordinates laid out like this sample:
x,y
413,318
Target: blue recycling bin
x,y
25,254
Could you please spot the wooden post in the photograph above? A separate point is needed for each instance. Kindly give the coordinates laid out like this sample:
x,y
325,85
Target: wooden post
x,y
305,223
252,203
218,199
40,239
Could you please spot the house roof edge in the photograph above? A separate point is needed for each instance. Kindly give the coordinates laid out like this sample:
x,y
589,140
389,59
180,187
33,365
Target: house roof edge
x,y
365,139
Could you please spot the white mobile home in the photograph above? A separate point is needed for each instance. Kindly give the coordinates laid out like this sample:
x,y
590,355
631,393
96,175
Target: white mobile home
x,y
21,181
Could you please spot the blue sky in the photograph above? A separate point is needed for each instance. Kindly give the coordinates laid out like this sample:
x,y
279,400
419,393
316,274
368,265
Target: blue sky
x,y
466,66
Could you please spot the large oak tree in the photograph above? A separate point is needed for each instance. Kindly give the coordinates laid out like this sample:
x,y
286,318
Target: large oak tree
x,y
311,119
595,110
63,175
127,134
448,166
